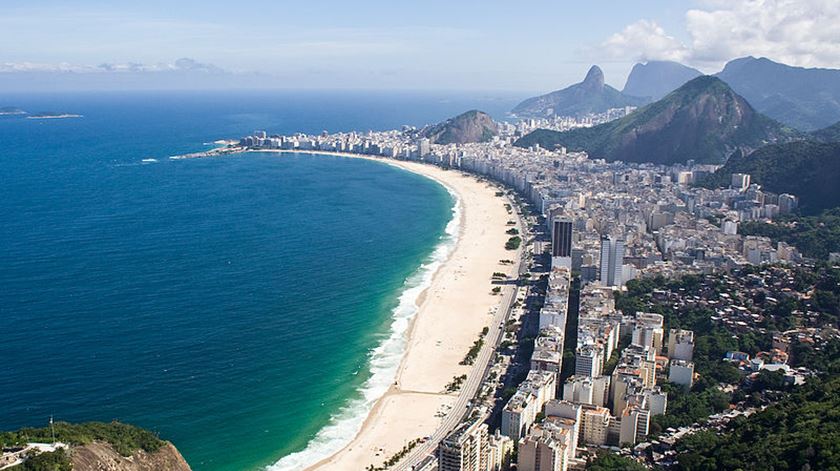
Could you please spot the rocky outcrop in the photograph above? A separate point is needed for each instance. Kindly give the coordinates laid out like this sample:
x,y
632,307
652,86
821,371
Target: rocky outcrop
x,y
100,456
472,126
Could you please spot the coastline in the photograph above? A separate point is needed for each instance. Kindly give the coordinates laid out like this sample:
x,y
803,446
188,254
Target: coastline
x,y
450,313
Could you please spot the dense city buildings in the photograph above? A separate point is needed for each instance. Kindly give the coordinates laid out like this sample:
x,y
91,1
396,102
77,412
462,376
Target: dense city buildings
x,y
606,224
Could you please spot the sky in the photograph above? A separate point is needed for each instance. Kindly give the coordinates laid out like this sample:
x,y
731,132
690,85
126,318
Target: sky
x,y
524,45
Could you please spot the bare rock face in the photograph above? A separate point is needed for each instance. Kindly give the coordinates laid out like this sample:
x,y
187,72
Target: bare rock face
x,y
99,456
472,126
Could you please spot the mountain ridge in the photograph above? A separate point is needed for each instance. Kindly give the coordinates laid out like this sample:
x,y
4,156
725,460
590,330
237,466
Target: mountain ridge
x,y
804,98
704,120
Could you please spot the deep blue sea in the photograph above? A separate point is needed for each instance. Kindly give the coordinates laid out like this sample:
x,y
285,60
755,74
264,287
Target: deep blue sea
x,y
246,307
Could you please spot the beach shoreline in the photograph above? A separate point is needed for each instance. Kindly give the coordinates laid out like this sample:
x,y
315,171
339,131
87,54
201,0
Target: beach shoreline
x,y
451,313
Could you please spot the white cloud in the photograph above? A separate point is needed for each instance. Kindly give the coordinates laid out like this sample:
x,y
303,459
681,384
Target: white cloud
x,y
180,65
644,40
796,32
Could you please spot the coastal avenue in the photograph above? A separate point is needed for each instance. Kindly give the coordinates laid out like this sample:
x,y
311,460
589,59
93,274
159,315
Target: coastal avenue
x,y
476,375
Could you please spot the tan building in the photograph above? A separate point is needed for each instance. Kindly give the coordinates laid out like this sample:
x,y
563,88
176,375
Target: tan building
x,y
465,449
544,449
596,424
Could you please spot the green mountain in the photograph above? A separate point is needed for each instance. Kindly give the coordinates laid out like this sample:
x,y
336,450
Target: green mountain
x,y
655,79
704,121
807,169
806,99
829,134
587,97
472,126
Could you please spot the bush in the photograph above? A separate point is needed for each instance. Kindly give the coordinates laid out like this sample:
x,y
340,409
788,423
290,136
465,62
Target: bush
x,y
513,243
124,438
49,461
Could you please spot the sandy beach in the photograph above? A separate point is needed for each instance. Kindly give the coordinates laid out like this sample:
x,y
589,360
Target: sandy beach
x,y
451,315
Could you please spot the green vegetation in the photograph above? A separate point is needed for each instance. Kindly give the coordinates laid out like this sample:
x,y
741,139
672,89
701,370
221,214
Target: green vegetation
x,y
498,274
500,193
814,236
396,458
512,231
801,432
513,243
57,460
606,461
455,384
496,290
686,408
472,354
807,169
711,344
124,438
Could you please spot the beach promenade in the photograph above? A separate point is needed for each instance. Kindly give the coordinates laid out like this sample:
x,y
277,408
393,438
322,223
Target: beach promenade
x,y
452,313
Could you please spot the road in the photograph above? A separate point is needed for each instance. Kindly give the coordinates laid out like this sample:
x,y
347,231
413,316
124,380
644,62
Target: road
x,y
476,375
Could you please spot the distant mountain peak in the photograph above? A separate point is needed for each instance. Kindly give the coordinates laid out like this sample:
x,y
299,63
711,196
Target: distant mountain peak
x,y
591,96
594,78
656,79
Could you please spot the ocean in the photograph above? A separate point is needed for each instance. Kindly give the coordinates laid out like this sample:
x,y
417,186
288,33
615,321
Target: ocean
x,y
249,308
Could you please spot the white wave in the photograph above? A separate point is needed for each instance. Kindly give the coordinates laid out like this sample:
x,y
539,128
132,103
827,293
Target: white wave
x,y
384,361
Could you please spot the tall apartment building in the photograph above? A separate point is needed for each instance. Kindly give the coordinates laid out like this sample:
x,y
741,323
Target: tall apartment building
x,y
596,424
521,410
588,361
681,372
543,450
648,331
635,423
612,259
465,449
681,344
740,181
561,242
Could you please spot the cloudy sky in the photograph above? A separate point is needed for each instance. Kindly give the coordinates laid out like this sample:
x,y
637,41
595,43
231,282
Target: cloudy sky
x,y
433,44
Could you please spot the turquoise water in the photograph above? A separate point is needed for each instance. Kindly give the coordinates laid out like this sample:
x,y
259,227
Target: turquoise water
x,y
232,304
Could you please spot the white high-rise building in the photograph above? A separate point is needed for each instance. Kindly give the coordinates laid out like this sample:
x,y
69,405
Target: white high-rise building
x,y
648,331
681,344
681,372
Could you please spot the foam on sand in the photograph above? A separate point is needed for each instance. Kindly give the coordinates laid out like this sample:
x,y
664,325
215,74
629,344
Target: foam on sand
x,y
384,360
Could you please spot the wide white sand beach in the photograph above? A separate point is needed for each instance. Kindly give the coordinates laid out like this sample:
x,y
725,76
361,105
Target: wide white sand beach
x,y
452,313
